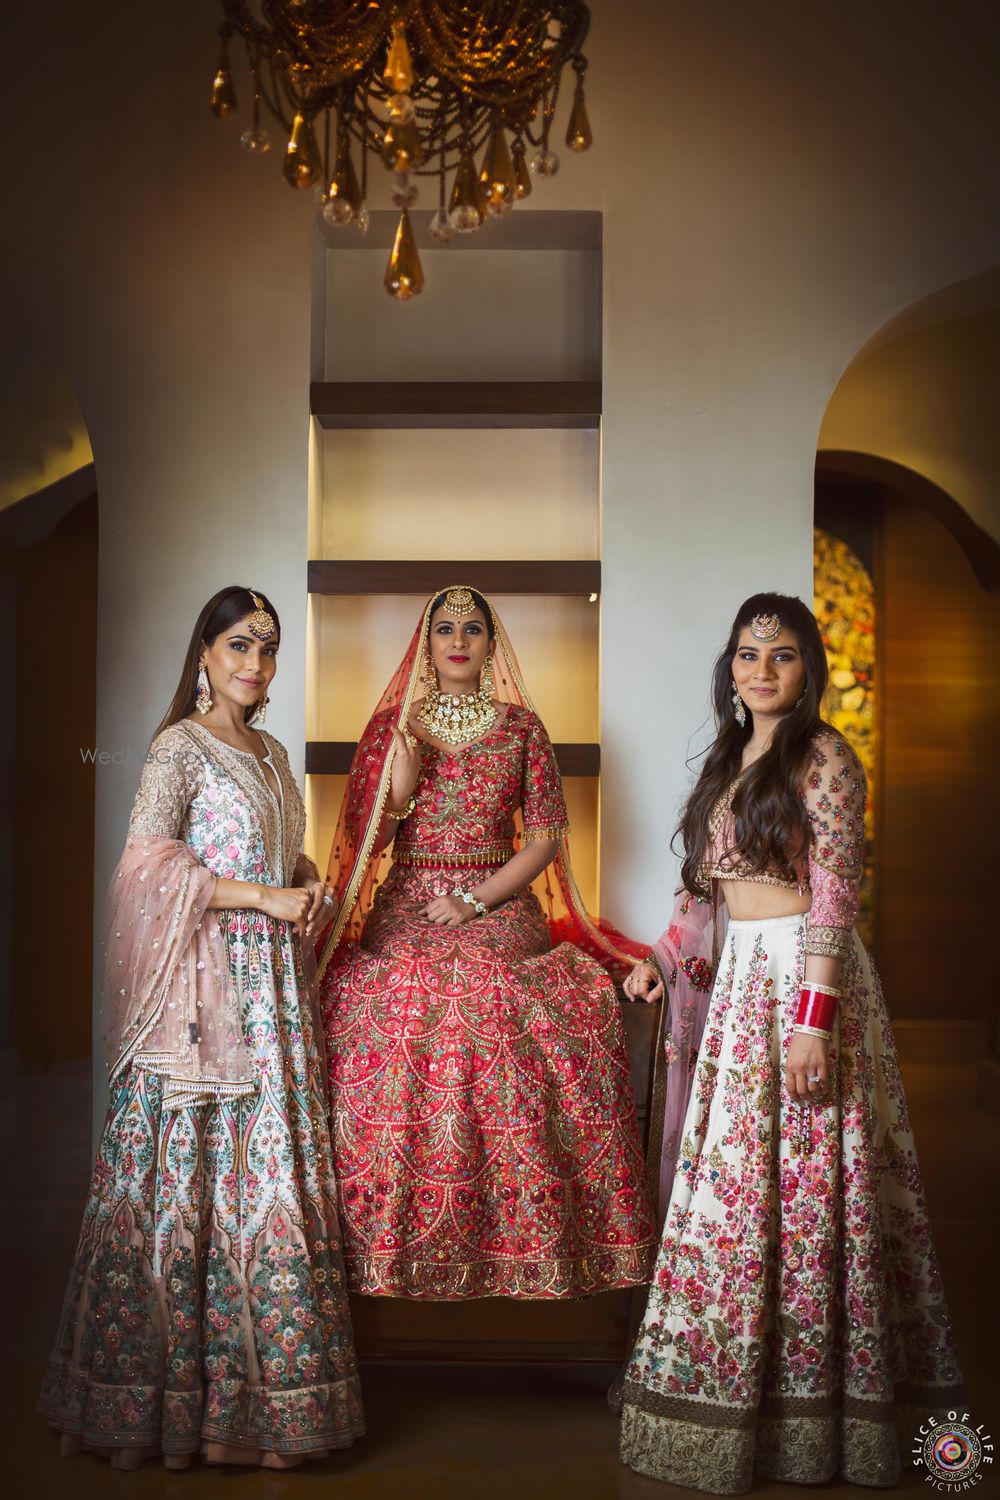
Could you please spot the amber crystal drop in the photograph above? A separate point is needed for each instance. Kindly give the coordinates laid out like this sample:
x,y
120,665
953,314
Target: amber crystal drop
x,y
302,166
398,66
579,136
404,275
402,148
522,176
466,208
496,176
344,193
223,101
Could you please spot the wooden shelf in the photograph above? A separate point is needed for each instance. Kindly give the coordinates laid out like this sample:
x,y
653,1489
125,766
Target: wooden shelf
x,y
581,578
333,758
477,403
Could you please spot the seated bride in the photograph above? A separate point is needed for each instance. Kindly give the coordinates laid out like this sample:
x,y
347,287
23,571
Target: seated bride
x,y
483,1119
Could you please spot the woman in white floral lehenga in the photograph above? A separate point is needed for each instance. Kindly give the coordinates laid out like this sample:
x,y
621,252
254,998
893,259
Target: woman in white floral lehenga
x,y
207,1309
796,1324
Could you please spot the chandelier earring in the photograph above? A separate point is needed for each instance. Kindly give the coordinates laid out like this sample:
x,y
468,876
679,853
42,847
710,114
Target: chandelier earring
x,y
260,712
739,707
203,697
428,676
487,681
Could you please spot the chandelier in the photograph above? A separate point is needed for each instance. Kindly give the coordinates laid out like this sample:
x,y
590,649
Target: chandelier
x,y
426,85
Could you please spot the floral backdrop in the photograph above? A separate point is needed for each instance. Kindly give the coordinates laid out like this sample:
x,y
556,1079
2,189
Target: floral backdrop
x,y
845,608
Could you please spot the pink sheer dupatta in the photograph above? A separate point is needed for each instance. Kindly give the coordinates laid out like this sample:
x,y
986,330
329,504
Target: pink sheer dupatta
x,y
685,956
169,1003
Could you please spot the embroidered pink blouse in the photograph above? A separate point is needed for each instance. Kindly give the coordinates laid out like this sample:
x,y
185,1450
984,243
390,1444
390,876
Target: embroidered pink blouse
x,y
834,792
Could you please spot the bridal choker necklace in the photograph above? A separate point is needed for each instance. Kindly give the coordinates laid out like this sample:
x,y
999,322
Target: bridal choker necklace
x,y
457,718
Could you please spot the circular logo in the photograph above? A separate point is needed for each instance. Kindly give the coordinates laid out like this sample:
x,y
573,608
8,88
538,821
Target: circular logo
x,y
952,1451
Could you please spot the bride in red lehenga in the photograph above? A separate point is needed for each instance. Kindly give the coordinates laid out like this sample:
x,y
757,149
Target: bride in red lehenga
x,y
484,1125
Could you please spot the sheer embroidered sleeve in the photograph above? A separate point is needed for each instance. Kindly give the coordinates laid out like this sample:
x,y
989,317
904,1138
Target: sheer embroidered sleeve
x,y
834,793
543,805
170,779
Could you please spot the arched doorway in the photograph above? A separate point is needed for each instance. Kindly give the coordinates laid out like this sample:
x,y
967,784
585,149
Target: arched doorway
x,y
935,583
48,565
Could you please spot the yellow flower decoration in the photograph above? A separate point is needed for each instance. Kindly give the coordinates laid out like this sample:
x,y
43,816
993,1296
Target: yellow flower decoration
x,y
845,608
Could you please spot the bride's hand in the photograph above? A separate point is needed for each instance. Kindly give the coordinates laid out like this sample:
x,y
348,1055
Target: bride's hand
x,y
405,770
449,911
644,983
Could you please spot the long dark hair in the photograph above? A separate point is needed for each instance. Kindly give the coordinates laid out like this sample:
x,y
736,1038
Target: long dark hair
x,y
771,826
480,603
221,613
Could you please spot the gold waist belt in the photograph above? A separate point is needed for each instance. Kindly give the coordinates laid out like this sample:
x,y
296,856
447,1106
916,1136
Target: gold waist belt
x,y
497,855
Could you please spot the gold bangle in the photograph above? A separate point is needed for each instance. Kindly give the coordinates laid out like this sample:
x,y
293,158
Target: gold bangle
x,y
814,1031
822,989
404,813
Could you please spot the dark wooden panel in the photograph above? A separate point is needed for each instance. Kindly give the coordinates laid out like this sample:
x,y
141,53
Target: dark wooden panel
x,y
577,578
940,796
333,758
471,403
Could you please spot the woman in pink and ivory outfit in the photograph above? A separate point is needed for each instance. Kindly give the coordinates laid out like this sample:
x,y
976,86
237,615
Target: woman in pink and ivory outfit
x,y
796,1325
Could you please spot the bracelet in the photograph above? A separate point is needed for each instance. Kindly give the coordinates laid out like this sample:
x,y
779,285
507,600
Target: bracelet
x,y
470,900
817,1007
404,812
814,1031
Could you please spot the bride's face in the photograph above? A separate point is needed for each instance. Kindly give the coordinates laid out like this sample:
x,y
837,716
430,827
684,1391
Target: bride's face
x,y
459,646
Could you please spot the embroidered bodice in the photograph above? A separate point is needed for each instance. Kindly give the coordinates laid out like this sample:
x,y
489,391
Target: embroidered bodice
x,y
217,800
466,798
829,867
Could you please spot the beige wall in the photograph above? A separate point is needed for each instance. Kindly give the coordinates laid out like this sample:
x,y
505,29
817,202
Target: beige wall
x,y
777,181
929,400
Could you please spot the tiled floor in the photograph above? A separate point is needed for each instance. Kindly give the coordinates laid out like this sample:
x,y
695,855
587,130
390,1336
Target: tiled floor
x,y
442,1434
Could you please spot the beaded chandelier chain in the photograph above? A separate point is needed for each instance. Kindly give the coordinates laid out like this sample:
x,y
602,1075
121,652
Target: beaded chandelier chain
x,y
424,84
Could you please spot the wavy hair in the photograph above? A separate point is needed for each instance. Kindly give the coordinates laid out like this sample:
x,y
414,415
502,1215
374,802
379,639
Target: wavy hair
x,y
224,610
770,822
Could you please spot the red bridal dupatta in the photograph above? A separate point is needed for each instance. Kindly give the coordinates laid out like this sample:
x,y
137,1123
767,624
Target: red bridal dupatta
x,y
360,857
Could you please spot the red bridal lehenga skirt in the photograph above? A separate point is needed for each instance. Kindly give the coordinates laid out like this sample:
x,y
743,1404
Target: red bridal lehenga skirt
x,y
484,1125
796,1325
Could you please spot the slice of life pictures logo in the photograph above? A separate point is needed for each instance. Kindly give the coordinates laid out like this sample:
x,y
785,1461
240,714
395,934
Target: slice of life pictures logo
x,y
954,1452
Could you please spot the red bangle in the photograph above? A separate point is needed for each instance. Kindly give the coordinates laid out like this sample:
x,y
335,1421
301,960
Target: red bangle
x,y
816,1009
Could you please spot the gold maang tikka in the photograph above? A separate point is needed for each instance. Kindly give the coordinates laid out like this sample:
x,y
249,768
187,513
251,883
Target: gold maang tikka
x,y
765,627
260,624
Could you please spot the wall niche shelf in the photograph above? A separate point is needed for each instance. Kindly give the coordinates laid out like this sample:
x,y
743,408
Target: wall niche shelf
x,y
333,758
458,403
415,576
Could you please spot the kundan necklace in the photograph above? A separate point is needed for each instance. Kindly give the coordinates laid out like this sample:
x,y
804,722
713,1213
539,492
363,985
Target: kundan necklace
x,y
457,718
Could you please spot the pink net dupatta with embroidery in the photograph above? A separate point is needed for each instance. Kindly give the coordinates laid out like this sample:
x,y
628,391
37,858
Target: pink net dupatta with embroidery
x,y
169,1002
685,957
359,857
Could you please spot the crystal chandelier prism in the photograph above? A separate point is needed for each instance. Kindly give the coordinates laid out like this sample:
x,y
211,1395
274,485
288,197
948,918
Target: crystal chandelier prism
x,y
462,93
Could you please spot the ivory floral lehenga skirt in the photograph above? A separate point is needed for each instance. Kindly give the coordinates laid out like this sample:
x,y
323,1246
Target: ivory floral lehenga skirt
x,y
796,1324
